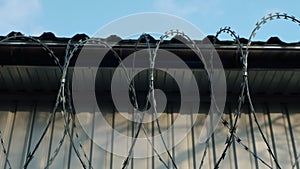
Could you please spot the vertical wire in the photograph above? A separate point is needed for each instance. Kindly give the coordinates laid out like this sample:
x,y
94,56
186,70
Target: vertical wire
x,y
31,127
112,139
30,154
253,138
258,125
193,142
57,62
240,99
292,137
259,24
287,138
11,134
92,138
271,130
140,124
4,151
51,137
234,140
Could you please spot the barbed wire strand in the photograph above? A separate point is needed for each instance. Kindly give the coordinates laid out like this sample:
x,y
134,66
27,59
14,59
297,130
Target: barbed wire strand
x,y
195,48
61,99
120,61
244,146
287,138
66,105
239,47
204,154
140,125
60,142
263,21
39,42
171,33
57,62
191,43
91,41
259,128
152,64
4,151
30,154
224,121
56,151
237,114
132,88
63,112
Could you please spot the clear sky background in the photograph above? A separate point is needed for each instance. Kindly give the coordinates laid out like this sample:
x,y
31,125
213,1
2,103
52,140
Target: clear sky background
x,y
66,18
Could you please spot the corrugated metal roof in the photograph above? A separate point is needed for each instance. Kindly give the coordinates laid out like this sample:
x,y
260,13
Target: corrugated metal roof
x,y
29,81
50,37
46,80
273,65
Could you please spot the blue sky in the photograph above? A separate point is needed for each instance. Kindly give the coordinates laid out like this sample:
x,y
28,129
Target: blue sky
x,y
66,18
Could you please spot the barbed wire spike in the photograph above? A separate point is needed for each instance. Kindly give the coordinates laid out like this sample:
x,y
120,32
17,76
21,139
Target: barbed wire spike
x,y
277,15
270,16
293,18
258,25
263,20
